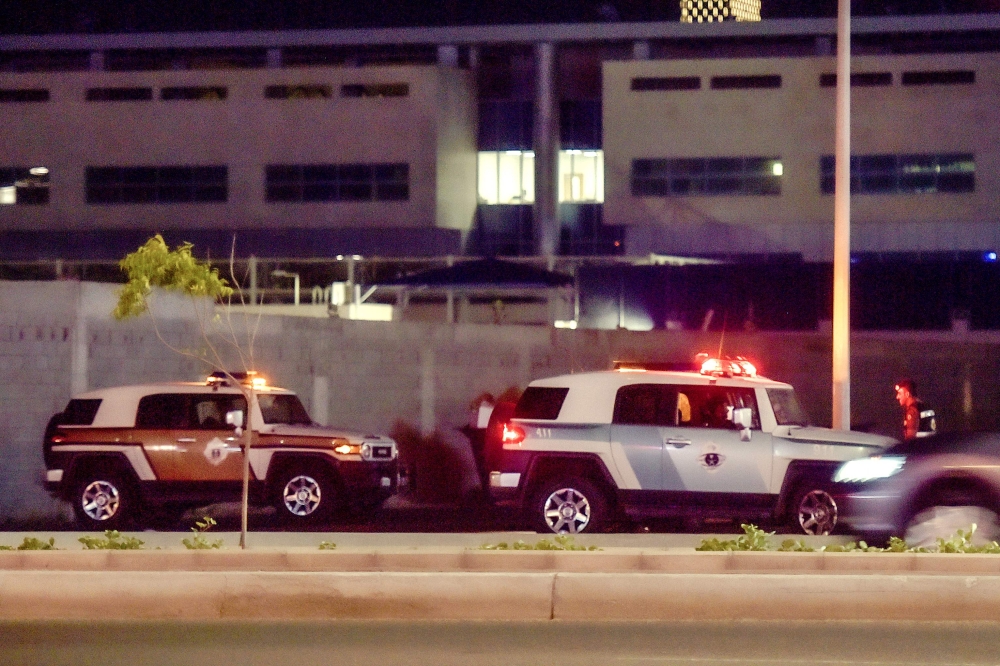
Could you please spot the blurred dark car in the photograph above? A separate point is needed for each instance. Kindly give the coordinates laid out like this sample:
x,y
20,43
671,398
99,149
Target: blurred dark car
x,y
924,489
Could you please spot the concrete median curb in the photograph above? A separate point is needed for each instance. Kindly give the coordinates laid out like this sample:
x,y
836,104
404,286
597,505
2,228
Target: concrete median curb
x,y
247,595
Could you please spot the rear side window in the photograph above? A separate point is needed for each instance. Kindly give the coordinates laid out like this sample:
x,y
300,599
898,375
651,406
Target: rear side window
x,y
540,402
80,412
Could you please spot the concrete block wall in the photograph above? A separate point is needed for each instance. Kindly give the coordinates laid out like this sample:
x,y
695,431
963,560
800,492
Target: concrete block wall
x,y
58,338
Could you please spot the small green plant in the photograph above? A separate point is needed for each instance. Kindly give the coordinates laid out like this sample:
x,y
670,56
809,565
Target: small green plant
x,y
327,545
756,539
558,542
200,541
112,540
33,543
753,538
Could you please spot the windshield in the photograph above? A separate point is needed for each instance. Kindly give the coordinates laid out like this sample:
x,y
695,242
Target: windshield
x,y
787,410
283,409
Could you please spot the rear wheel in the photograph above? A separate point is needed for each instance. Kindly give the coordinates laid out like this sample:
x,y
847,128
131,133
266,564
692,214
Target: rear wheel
x,y
305,495
104,500
569,506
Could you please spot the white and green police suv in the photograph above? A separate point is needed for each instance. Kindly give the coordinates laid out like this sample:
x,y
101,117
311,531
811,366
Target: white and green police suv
x,y
582,450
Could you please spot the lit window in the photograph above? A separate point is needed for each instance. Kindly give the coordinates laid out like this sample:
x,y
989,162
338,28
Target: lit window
x,y
581,176
507,177
24,185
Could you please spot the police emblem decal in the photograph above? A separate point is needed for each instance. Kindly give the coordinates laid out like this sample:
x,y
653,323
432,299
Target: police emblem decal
x,y
216,451
711,459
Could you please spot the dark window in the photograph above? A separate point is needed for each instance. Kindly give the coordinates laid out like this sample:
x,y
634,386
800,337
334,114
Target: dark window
x,y
298,92
119,94
646,404
9,95
194,93
163,410
939,78
375,90
24,186
666,83
859,80
745,82
80,412
904,174
208,412
283,409
165,184
337,182
706,176
540,402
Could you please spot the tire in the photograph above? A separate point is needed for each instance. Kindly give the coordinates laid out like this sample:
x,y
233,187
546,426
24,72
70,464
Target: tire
x,y
103,499
814,511
569,506
305,495
942,514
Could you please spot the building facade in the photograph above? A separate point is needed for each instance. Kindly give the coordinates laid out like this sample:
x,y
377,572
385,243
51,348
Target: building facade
x,y
616,138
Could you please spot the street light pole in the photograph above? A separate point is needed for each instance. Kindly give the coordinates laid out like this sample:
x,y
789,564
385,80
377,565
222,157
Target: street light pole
x,y
842,226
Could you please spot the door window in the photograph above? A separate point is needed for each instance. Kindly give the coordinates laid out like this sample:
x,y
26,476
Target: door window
x,y
711,406
647,404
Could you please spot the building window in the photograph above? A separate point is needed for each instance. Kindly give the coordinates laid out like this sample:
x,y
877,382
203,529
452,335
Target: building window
x,y
305,91
938,78
904,174
746,82
337,182
375,90
707,176
119,94
157,184
8,95
858,80
647,83
507,177
24,185
581,176
194,94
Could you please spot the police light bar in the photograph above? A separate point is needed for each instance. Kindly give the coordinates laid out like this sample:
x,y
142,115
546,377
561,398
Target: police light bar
x,y
726,367
248,378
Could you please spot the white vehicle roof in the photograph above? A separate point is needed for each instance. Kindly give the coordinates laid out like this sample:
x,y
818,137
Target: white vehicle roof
x,y
119,403
591,398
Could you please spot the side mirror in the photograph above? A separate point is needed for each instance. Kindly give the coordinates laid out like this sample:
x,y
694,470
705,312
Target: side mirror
x,y
235,418
742,419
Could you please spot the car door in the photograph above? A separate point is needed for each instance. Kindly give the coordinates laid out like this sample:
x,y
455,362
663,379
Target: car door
x,y
704,452
208,449
641,412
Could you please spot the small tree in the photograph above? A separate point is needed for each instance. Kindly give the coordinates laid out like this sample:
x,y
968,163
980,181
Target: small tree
x,y
155,266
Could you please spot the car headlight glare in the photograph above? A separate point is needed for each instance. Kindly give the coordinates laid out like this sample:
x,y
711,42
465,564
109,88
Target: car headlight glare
x,y
869,469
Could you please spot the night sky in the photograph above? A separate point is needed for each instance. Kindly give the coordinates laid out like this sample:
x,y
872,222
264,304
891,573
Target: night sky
x,y
61,16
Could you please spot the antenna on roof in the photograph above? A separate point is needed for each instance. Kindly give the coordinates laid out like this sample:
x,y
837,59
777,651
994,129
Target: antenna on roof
x,y
722,336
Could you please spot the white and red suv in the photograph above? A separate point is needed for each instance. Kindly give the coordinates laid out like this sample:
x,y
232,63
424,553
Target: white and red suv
x,y
116,452
580,450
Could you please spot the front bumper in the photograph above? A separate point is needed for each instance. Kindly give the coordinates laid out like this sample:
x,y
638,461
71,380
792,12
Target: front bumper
x,y
871,511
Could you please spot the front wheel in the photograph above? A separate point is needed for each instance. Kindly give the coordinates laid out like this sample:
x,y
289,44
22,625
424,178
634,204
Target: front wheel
x,y
814,511
569,506
305,496
103,500
943,515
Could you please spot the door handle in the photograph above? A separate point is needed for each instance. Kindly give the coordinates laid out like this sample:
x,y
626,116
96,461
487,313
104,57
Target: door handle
x,y
678,443
187,440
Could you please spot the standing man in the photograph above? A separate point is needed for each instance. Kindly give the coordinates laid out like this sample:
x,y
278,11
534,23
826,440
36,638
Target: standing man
x,y
918,420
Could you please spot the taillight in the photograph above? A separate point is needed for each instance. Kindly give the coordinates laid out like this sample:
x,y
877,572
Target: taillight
x,y
57,439
512,434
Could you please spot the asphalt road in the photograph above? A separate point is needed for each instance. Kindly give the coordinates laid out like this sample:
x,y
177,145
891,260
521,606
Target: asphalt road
x,y
500,644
